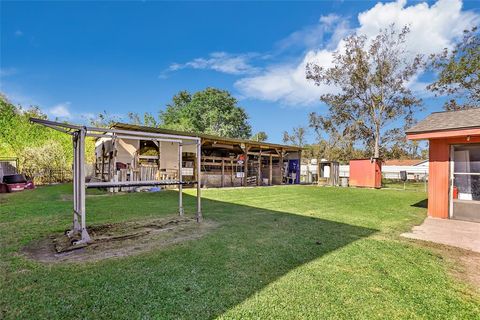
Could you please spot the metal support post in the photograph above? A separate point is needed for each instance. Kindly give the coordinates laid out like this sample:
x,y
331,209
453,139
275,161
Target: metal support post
x,y
76,225
199,181
180,186
80,133
81,183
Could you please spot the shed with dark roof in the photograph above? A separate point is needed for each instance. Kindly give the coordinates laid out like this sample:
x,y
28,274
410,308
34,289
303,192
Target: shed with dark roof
x,y
447,124
454,163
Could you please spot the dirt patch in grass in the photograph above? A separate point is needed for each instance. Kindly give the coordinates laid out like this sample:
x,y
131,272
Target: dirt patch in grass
x,y
118,240
466,266
463,265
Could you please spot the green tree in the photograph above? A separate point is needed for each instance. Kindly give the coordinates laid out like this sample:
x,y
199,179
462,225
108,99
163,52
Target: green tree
x,y
260,136
174,115
396,146
370,78
210,111
21,139
459,72
297,137
319,151
17,132
333,143
50,155
147,119
104,120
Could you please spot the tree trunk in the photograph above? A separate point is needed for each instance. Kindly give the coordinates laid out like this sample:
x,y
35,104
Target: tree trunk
x,y
377,142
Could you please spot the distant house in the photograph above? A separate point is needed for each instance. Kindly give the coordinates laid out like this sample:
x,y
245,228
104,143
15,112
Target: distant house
x,y
417,169
404,162
454,163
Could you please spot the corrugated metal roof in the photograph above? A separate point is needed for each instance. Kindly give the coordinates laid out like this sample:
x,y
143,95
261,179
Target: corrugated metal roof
x,y
448,120
127,126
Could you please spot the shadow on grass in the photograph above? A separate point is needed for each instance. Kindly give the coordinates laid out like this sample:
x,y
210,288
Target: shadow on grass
x,y
203,278
421,204
250,249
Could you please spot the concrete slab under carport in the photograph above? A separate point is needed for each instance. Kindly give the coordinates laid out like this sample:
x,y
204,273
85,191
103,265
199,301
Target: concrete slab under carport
x,y
455,233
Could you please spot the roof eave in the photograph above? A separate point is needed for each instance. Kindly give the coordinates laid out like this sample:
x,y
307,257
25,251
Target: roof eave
x,y
210,137
447,133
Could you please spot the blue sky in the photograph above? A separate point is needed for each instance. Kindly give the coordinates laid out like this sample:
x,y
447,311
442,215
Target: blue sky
x,y
74,59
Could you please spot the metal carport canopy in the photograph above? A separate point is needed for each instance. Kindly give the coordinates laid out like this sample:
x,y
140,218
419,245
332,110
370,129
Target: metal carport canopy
x,y
79,133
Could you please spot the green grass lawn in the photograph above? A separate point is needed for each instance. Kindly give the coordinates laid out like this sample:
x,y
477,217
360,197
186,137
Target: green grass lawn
x,y
294,252
409,185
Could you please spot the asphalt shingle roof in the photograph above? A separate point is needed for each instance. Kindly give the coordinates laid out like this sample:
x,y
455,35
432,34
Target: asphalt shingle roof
x,y
448,120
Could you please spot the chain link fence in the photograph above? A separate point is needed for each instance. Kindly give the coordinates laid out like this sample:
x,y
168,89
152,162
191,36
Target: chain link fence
x,y
50,176
416,177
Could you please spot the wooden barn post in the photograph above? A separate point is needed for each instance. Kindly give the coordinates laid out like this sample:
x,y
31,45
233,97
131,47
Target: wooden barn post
x,y
231,172
270,174
281,165
223,173
245,166
259,182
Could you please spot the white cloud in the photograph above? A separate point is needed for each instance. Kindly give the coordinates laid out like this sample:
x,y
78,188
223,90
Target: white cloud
x,y
310,37
60,110
5,72
18,98
286,83
218,61
432,28
18,33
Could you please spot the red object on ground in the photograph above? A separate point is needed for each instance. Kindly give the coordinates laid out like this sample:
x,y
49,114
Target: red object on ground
x,y
14,187
365,173
3,188
455,193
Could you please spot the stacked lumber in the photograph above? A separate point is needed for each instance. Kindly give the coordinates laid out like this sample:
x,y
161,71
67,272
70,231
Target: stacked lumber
x,y
141,173
148,173
252,181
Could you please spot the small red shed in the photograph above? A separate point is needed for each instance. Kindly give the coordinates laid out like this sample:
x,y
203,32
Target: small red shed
x,y
366,173
454,163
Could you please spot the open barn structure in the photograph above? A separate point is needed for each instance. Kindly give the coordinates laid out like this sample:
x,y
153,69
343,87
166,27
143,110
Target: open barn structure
x,y
176,145
225,162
